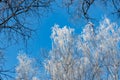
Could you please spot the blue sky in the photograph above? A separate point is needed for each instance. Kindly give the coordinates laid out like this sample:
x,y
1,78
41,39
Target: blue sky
x,y
42,37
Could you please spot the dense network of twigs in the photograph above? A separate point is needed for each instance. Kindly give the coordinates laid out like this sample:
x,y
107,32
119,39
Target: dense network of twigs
x,y
81,8
13,14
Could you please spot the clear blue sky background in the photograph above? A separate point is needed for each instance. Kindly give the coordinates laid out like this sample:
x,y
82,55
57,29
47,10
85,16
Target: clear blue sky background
x,y
42,39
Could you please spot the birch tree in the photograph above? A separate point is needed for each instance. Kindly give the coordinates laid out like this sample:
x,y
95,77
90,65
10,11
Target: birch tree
x,y
92,54
26,69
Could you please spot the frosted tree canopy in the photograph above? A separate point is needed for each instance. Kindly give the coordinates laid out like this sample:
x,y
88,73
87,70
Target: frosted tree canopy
x,y
93,54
